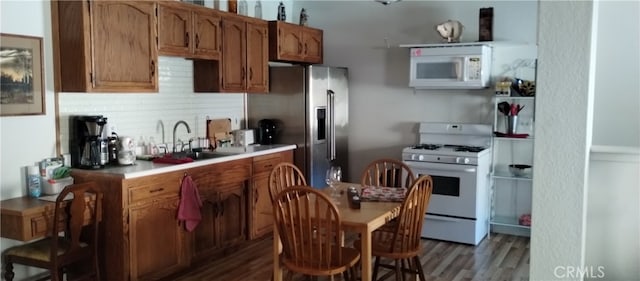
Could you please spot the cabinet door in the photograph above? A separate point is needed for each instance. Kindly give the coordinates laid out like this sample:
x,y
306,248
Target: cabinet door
x,y
205,239
151,225
257,57
174,29
261,207
207,40
290,43
233,54
312,45
232,217
123,46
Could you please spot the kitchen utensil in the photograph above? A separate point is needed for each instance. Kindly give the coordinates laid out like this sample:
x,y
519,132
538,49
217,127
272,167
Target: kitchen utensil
x,y
512,124
504,107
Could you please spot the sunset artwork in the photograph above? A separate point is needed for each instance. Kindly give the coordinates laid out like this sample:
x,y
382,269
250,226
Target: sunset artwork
x,y
16,81
21,81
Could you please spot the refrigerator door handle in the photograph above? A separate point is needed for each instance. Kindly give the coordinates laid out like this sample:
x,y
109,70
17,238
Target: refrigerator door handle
x,y
332,125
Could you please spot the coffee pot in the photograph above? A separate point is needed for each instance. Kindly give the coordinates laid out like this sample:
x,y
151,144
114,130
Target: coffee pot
x,y
87,146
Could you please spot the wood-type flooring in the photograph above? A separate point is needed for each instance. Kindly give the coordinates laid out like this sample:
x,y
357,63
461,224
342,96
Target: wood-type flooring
x,y
500,257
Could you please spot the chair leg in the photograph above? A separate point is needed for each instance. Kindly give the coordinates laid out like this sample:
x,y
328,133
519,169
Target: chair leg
x,y
398,271
376,266
8,271
418,265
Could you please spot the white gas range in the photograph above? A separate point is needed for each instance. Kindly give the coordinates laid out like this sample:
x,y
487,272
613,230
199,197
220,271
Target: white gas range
x,y
458,159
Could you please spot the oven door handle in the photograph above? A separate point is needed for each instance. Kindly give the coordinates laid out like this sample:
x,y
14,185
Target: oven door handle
x,y
439,218
466,170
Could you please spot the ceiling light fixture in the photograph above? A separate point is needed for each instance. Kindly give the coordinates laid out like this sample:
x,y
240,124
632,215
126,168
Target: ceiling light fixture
x,y
387,2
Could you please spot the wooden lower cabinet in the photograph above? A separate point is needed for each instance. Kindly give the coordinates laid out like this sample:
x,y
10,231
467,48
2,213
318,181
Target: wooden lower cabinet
x,y
157,241
261,209
141,238
223,223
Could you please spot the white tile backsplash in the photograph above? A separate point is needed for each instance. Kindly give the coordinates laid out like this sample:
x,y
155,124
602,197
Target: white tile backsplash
x,y
138,114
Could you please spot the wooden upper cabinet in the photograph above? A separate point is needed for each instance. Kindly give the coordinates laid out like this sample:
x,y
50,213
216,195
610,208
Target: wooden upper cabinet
x,y
189,31
294,43
106,46
234,60
257,57
244,62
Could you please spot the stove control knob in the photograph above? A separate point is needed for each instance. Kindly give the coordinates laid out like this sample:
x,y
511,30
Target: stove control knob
x,y
461,160
421,157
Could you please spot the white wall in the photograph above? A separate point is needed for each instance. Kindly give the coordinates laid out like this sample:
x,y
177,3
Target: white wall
x,y
25,140
613,204
613,216
563,138
616,119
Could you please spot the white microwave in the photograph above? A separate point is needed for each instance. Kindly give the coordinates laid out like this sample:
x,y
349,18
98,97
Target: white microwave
x,y
450,66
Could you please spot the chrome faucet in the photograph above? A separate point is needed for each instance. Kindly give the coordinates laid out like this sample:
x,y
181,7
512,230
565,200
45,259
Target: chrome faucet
x,y
174,132
161,125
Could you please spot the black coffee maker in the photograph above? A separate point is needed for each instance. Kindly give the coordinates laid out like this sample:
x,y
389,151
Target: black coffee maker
x,y
87,146
267,131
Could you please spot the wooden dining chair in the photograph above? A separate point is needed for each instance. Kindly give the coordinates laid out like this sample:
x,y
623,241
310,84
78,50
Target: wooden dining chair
x,y
57,252
282,176
387,173
310,229
402,242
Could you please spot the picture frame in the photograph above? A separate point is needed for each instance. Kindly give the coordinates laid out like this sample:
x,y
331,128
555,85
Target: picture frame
x,y
21,69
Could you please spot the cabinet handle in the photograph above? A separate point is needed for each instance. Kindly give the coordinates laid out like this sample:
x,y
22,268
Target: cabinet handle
x,y
153,68
250,73
306,49
215,210
156,190
268,166
197,41
221,209
186,40
255,195
299,48
242,74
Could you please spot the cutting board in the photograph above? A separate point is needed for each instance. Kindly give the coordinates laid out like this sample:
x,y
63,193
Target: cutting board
x,y
218,129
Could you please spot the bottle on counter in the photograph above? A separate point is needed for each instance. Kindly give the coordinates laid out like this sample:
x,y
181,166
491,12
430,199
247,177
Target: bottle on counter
x,y
151,147
34,187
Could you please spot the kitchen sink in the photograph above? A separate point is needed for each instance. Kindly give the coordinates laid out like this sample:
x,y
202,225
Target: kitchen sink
x,y
188,156
208,155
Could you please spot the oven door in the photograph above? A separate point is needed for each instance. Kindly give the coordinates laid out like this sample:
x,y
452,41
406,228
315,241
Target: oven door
x,y
454,188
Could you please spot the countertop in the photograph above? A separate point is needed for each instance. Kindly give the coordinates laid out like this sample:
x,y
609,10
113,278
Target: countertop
x,y
144,168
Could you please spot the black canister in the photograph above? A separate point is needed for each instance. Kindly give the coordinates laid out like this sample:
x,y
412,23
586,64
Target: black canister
x,y
267,131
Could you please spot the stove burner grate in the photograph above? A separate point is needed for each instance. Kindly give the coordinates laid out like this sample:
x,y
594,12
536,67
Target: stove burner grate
x,y
427,146
466,148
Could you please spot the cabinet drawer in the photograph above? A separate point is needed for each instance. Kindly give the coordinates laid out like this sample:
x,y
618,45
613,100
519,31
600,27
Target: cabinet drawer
x,y
39,226
265,163
147,192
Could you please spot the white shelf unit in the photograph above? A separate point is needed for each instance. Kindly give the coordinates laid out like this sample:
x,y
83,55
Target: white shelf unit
x,y
510,195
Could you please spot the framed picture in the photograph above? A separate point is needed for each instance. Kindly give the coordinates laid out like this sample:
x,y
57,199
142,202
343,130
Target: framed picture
x,y
22,86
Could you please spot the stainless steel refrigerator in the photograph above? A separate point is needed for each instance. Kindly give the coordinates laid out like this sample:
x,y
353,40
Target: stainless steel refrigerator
x,y
310,106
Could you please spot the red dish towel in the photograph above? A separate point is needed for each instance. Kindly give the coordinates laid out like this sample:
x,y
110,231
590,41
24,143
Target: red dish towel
x,y
189,208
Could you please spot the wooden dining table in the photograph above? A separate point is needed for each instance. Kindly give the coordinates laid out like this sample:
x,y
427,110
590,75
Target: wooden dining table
x,y
363,221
